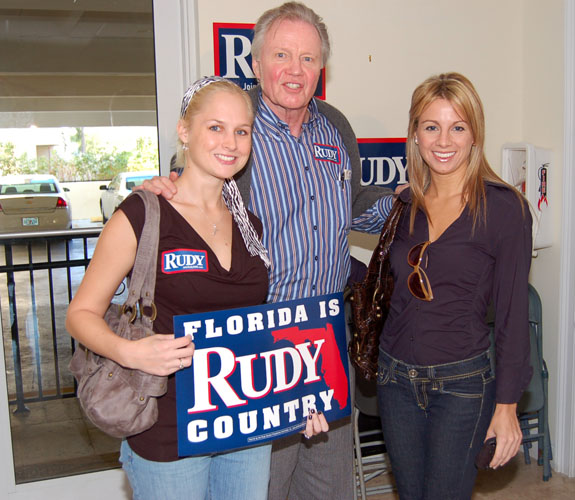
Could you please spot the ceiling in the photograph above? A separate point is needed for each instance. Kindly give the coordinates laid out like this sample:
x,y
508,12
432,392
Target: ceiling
x,y
76,63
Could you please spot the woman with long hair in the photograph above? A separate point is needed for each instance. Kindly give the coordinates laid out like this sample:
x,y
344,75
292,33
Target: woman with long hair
x,y
463,243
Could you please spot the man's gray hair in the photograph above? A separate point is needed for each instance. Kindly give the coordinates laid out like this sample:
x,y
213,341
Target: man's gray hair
x,y
291,11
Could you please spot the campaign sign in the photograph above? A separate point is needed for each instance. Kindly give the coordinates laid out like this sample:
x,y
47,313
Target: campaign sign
x,y
383,162
233,59
257,372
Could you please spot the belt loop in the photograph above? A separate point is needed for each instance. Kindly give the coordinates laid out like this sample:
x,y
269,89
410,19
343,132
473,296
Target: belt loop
x,y
392,369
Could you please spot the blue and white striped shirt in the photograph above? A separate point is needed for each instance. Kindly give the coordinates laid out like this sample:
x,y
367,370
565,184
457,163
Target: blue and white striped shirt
x,y
300,189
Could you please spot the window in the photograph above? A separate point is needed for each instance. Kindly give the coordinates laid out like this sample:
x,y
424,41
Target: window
x,y
78,102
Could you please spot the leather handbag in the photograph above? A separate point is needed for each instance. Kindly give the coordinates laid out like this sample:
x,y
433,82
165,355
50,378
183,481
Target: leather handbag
x,y
121,401
370,300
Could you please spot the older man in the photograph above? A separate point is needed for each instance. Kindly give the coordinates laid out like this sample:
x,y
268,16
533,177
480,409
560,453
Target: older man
x,y
303,181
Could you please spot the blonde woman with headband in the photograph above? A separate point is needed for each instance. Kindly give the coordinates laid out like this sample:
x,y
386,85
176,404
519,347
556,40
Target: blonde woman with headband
x,y
206,214
464,242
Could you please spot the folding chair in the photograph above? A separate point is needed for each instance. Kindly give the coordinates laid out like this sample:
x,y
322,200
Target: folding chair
x,y
370,458
533,406
532,409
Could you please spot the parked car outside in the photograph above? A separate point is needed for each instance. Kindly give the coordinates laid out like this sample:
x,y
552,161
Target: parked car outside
x,y
121,186
35,202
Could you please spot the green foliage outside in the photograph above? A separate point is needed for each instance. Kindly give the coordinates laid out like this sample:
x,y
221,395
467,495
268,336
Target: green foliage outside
x,y
8,161
91,161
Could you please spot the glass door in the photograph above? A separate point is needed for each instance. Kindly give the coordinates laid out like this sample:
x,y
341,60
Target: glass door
x,y
78,106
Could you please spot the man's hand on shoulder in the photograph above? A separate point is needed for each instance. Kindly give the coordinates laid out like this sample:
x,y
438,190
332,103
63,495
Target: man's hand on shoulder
x,y
160,185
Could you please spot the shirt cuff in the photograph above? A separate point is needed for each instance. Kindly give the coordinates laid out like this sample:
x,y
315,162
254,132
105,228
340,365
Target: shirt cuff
x,y
372,220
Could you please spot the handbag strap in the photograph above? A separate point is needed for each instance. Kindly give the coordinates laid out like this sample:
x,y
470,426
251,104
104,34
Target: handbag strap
x,y
376,264
143,277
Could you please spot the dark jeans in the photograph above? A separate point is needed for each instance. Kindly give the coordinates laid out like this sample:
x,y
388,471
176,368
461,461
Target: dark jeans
x,y
434,421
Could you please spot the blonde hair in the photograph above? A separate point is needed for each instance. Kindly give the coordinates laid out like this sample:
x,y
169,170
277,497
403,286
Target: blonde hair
x,y
196,96
290,11
461,94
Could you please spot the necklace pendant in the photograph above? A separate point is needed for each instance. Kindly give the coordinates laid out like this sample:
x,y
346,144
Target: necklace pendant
x,y
215,230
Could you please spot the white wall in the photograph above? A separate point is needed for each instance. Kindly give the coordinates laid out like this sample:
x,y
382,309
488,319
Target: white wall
x,y
512,51
407,42
542,105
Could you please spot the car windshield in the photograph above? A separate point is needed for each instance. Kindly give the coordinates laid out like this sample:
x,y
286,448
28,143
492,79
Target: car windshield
x,y
35,187
136,181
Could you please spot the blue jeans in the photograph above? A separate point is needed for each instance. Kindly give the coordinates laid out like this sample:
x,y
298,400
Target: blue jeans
x,y
236,475
434,421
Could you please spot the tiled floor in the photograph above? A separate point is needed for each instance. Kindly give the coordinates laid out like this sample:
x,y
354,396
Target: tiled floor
x,y
54,439
518,480
515,481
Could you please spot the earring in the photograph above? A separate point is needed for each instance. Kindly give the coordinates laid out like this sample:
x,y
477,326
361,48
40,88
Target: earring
x,y
185,146
416,141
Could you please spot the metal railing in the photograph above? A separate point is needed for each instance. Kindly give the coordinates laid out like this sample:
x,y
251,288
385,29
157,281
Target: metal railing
x,y
38,275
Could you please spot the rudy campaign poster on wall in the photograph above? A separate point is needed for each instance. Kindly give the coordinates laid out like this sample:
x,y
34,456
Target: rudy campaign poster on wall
x,y
257,371
383,162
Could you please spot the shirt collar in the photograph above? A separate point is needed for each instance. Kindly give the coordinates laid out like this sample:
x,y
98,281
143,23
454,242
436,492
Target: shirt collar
x,y
270,119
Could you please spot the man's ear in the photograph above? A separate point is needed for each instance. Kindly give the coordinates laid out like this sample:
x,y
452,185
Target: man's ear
x,y
256,68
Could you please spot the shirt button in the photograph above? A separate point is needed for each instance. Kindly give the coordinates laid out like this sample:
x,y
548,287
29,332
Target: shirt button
x,y
315,228
306,167
313,287
312,198
411,338
316,257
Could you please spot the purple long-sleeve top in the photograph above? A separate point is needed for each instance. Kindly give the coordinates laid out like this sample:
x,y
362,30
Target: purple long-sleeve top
x,y
467,269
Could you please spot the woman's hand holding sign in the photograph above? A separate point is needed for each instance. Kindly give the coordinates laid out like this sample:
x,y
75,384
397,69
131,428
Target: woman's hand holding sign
x,y
159,354
315,424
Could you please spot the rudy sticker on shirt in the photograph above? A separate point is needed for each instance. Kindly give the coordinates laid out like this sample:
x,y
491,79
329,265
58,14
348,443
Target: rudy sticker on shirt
x,y
323,152
183,260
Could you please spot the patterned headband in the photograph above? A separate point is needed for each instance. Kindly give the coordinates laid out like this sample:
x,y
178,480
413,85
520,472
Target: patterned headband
x,y
194,88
